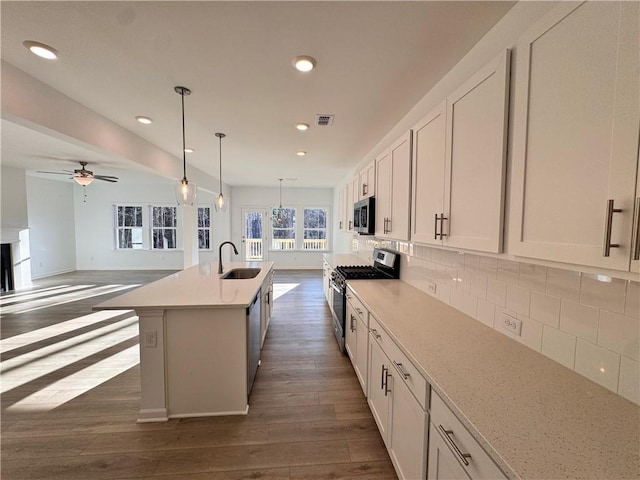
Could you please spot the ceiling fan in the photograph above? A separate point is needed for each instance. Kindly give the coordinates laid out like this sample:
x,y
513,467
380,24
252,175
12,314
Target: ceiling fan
x,y
83,176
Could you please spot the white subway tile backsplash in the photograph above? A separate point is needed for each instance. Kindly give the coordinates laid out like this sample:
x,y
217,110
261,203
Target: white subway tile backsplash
x,y
508,271
598,364
469,304
533,277
545,309
579,320
531,334
629,384
479,285
632,300
486,312
620,334
603,291
559,346
586,322
497,292
518,299
563,283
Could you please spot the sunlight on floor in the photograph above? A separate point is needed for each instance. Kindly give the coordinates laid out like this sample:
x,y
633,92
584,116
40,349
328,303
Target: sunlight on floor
x,y
280,289
63,368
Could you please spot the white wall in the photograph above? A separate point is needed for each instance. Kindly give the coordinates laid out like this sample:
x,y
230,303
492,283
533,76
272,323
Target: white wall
x,y
14,198
51,208
268,197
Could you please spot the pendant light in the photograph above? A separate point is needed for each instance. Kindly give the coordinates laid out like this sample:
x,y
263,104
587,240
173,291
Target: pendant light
x,y
221,202
280,213
185,192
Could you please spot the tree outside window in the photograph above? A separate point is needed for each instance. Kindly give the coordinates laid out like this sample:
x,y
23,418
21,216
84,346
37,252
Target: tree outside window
x,y
163,227
283,228
315,229
128,227
204,228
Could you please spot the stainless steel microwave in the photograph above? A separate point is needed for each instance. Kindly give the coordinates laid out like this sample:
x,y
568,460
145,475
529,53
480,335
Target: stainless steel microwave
x,y
364,216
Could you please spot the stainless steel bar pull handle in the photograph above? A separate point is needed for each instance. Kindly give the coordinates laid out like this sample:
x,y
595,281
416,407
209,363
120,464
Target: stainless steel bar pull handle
x,y
447,435
350,224
435,227
401,370
375,333
352,326
608,222
442,219
382,377
385,383
635,235
365,189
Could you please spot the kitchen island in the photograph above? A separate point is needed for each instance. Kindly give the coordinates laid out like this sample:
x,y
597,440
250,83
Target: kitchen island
x,y
196,332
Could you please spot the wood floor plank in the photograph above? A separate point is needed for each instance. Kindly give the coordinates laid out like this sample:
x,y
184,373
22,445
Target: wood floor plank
x,y
308,418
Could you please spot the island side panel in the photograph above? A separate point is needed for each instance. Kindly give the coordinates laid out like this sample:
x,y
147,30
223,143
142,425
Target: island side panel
x,y
206,362
153,406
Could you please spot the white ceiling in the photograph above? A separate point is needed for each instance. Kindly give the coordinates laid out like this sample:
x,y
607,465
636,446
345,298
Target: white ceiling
x,y
375,61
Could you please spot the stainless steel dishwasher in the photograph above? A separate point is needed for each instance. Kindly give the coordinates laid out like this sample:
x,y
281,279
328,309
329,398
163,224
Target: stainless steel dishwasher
x,y
253,340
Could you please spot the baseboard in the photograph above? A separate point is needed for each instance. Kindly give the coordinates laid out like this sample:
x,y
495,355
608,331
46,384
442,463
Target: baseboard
x,y
52,274
149,415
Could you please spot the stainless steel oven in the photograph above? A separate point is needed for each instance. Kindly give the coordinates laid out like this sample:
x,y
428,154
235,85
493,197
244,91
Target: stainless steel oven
x,y
338,306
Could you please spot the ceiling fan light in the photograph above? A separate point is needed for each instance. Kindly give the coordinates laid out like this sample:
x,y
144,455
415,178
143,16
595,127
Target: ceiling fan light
x,y
84,181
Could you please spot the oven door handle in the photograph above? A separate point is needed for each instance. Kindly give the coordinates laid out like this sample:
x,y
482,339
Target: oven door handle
x,y
335,287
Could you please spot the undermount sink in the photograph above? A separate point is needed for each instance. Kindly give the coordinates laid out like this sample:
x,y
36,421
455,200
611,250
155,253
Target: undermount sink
x,y
241,273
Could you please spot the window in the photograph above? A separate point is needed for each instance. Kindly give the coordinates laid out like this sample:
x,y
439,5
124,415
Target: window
x,y
315,229
283,230
128,227
204,228
163,227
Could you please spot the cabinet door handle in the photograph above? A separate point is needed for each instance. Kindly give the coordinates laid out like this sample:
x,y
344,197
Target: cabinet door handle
x,y
350,223
375,333
442,219
385,380
608,222
401,369
435,227
359,311
340,225
352,326
365,189
635,235
382,378
447,435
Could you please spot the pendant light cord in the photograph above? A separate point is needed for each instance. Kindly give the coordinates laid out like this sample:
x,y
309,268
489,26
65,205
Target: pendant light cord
x,y
184,146
280,193
220,176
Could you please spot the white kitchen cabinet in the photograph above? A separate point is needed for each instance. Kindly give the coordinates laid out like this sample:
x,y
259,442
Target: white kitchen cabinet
x,y
326,276
427,199
575,146
393,190
348,206
453,452
266,306
367,182
397,398
357,337
342,211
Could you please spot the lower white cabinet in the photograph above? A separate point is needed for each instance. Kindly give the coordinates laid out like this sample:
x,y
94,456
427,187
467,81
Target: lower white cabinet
x,y
453,452
400,417
357,338
266,306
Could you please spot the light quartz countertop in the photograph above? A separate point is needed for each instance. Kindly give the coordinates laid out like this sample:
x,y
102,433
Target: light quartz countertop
x,y
534,417
339,259
199,286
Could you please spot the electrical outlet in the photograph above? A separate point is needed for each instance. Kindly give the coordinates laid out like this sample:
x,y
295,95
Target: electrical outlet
x,y
150,338
432,287
511,324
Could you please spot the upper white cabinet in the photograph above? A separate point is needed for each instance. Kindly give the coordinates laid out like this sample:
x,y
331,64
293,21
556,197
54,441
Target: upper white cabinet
x,y
367,182
459,159
393,187
575,146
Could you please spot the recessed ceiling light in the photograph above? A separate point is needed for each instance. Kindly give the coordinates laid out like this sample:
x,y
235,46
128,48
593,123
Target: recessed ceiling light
x,y
188,150
144,120
40,49
301,153
302,126
304,63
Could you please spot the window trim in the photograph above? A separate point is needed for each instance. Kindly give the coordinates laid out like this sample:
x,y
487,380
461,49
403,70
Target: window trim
x,y
209,229
299,228
326,229
117,227
152,227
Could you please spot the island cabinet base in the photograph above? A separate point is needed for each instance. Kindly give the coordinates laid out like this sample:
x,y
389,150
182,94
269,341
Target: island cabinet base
x,y
198,366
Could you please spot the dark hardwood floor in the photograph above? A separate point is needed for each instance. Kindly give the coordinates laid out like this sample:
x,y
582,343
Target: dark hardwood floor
x,y
71,393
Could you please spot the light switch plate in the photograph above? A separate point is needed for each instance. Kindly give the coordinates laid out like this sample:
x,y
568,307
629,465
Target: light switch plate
x,y
511,324
150,338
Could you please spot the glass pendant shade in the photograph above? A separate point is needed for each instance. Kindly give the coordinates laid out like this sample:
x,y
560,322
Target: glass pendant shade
x,y
185,191
221,203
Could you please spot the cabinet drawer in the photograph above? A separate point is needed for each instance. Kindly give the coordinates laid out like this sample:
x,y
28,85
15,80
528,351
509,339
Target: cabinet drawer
x,y
402,368
460,443
358,307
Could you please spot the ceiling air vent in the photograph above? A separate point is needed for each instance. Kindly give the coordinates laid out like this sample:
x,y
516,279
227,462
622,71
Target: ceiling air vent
x,y
324,120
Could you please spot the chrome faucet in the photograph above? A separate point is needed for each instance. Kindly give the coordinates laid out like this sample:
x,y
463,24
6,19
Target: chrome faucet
x,y
235,250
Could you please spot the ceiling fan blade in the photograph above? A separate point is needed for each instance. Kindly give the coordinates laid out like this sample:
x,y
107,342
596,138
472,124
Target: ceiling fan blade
x,y
53,173
105,178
